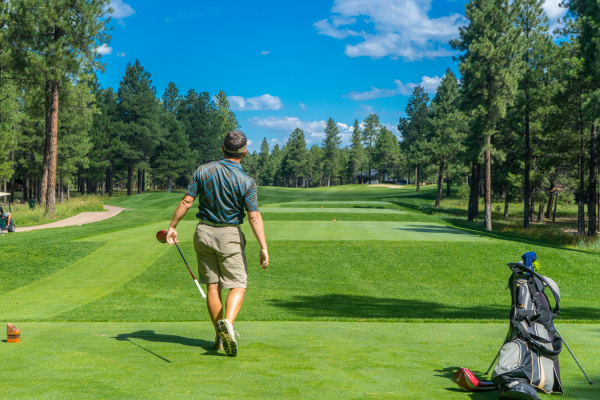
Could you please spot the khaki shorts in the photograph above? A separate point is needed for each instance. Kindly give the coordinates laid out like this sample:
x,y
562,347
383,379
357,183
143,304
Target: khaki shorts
x,y
221,257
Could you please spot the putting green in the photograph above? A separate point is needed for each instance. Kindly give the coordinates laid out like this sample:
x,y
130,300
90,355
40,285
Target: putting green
x,y
125,255
331,210
276,360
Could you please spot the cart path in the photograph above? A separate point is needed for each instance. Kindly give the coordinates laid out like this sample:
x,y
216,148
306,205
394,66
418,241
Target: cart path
x,y
79,219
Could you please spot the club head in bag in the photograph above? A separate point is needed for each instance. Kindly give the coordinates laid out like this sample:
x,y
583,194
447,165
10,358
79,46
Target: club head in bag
x,y
467,380
161,236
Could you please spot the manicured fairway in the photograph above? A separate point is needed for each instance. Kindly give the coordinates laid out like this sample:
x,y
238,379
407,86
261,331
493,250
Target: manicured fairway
x,y
379,304
330,210
314,360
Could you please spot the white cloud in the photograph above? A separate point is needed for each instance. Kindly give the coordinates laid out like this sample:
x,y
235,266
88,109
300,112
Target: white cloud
x,y
264,102
401,28
103,49
302,106
288,124
554,12
249,142
265,52
274,140
120,54
428,83
121,10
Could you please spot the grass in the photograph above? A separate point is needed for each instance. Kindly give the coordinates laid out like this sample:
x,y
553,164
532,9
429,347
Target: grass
x,y
107,312
23,216
279,360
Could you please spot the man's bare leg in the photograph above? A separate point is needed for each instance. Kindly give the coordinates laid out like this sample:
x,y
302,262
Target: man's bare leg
x,y
213,302
234,303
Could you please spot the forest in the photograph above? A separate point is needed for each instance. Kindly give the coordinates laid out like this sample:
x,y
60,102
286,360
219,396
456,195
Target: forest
x,y
519,122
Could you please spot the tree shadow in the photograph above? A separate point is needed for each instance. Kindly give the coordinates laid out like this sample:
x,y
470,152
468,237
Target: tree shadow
x,y
151,336
433,229
367,307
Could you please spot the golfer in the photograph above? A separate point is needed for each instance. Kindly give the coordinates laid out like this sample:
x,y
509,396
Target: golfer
x,y
224,191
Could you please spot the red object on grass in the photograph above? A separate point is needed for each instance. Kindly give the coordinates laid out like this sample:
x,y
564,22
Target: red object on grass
x,y
467,380
161,236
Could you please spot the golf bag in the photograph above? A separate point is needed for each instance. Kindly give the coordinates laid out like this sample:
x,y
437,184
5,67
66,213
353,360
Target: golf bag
x,y
529,357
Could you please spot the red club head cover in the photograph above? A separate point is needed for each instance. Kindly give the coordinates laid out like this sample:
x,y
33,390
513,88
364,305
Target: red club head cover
x,y
161,236
467,380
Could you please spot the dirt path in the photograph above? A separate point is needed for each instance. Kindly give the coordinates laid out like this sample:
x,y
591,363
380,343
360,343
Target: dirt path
x,y
79,219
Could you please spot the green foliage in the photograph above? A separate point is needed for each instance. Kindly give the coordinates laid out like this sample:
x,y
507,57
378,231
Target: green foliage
x,y
386,153
331,149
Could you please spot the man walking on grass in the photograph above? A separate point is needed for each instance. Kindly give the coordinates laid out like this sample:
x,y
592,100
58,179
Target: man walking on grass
x,y
224,191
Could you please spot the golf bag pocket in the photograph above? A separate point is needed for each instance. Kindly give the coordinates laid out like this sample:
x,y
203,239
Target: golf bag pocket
x,y
514,363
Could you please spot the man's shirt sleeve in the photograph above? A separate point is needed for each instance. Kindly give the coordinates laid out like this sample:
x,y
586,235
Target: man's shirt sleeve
x,y
192,189
251,198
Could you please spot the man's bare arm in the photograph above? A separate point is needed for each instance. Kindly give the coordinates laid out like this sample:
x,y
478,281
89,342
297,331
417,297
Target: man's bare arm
x,y
182,209
256,223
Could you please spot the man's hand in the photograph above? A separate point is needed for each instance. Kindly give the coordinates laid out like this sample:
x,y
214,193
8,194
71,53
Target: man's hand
x,y
264,258
172,236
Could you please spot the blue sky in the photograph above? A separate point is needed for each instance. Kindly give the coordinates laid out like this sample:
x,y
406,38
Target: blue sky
x,y
287,64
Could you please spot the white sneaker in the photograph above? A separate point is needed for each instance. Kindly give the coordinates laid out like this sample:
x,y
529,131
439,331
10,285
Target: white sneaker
x,y
218,343
225,330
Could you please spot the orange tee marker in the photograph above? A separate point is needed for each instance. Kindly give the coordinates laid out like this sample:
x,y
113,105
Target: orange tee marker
x,y
13,334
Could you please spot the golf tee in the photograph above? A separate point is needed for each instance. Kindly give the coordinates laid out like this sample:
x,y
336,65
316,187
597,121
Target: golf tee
x,y
200,289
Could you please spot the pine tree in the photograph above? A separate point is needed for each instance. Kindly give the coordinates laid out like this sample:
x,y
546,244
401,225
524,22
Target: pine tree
x,y
369,136
386,154
139,109
264,172
448,128
56,40
171,99
490,65
356,150
296,155
331,148
414,129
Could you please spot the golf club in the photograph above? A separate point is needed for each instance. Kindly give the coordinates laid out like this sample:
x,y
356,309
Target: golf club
x,y
580,367
161,236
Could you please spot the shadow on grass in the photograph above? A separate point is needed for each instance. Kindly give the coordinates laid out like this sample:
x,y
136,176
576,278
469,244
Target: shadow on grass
x,y
151,336
433,229
366,307
449,374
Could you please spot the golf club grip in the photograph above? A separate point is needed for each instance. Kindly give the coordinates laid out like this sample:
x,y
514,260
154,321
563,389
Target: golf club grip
x,y
200,289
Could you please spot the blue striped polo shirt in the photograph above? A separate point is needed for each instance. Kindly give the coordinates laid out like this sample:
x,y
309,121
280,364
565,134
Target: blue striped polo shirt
x,y
224,191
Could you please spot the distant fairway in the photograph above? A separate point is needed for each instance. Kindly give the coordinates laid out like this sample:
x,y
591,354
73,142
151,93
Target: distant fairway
x,y
108,312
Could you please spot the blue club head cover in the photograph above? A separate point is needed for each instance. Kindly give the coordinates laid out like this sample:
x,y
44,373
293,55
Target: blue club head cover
x,y
528,259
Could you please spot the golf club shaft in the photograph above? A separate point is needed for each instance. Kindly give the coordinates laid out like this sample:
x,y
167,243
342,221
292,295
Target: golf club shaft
x,y
492,364
191,273
574,358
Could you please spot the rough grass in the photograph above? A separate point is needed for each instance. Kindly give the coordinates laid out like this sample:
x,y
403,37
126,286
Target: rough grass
x,y
23,216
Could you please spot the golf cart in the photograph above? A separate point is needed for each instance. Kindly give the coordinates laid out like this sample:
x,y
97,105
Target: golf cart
x,y
4,225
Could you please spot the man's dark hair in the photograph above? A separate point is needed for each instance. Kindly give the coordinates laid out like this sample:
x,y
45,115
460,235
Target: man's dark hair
x,y
234,144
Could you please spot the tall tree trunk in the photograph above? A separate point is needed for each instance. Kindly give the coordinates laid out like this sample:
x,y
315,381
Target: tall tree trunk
x,y
62,192
440,187
12,179
418,178
110,180
144,180
581,191
26,188
550,201
473,211
541,215
506,206
328,178
554,211
169,185
52,151
488,188
531,211
526,184
44,180
447,185
130,177
592,225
